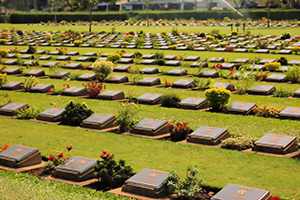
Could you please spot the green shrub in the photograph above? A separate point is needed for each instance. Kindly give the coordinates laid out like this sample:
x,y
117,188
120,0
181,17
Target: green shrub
x,y
56,160
77,43
112,174
272,66
245,81
239,143
282,93
4,99
187,188
114,57
134,75
3,41
102,69
127,116
266,111
30,113
293,75
3,52
3,79
30,82
74,113
160,62
159,55
170,100
173,47
282,61
217,97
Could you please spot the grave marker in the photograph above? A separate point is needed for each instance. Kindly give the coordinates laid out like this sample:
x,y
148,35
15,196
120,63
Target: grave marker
x,y
117,79
262,89
12,85
290,113
35,72
50,115
208,135
99,121
148,62
177,72
238,107
64,58
87,77
183,83
173,63
149,70
60,74
227,86
12,71
149,98
75,91
122,68
193,103
41,88
151,127
111,95
209,74
276,78
12,108
149,81
296,94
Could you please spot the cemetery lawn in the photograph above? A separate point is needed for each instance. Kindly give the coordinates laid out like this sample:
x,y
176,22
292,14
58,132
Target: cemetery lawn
x,y
217,167
23,186
155,29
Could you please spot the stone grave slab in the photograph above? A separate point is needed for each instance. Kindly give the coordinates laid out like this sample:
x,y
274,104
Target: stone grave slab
x,y
149,98
12,71
151,127
267,61
126,60
214,45
173,63
10,62
277,144
284,69
238,107
147,182
227,86
35,72
84,59
197,64
45,58
75,91
60,74
148,56
149,81
257,67
23,51
50,115
220,49
76,169
45,44
19,156
128,55
263,51
285,51
262,89
177,72
73,66
149,70
30,63
133,46
122,68
170,57
116,46
192,58
241,50
49,64
183,83
87,77
290,113
201,49
117,79
12,85
58,44
148,62
100,45
296,94
99,121
232,191
90,54
28,56
209,74
102,58
217,59
63,58
111,95
241,60
276,78
208,135
73,53
228,65
42,88
182,48
294,62
193,103
55,53
11,56
12,108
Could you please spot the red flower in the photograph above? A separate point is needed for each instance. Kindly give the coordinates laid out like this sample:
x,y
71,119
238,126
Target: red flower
x,y
108,155
61,155
104,151
5,66
68,86
16,47
51,157
231,70
69,62
66,158
221,66
69,148
103,155
123,51
214,66
275,198
104,86
49,90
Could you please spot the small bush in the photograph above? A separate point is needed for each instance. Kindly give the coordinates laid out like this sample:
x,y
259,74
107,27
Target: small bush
x,y
112,174
282,61
30,113
93,88
30,82
295,49
260,76
170,100
266,111
173,47
160,62
114,57
3,41
77,43
134,75
4,99
74,113
217,97
239,143
56,160
293,75
3,52
234,33
127,116
102,69
3,79
272,66
282,93
159,55
179,130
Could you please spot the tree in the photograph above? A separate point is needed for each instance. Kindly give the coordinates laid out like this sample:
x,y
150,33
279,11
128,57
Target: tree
x,y
147,2
208,4
56,4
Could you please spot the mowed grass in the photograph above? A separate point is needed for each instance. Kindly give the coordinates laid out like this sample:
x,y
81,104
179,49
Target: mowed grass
x,y
25,187
217,167
154,29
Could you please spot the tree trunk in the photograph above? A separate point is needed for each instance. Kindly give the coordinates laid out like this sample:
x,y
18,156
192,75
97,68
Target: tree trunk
x,y
147,13
90,29
269,2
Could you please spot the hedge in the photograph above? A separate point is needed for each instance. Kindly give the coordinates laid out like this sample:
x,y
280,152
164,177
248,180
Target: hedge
x,y
37,17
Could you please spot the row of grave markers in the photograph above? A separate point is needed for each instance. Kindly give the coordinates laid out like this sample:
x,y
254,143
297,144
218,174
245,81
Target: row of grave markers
x,y
152,127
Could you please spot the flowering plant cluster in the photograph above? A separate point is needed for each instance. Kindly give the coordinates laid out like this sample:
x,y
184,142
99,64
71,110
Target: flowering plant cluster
x,y
135,75
217,97
272,66
3,52
112,173
295,49
56,160
114,57
267,111
62,50
127,116
94,88
3,148
168,83
179,130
